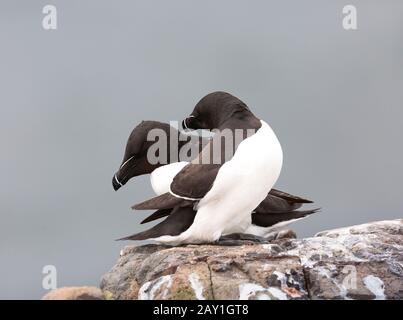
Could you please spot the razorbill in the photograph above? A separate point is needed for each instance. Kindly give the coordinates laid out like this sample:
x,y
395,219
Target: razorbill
x,y
135,161
227,193
277,207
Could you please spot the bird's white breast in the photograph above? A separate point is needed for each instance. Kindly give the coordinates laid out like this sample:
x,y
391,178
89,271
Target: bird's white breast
x,y
240,186
161,178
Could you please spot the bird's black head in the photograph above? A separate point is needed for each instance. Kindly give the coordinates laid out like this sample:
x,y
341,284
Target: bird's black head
x,y
135,161
213,110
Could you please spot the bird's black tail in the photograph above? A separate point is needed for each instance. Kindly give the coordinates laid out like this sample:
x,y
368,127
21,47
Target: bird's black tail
x,y
157,215
289,197
177,222
269,219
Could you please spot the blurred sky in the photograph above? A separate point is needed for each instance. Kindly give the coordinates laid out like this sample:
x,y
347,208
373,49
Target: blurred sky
x,y
69,99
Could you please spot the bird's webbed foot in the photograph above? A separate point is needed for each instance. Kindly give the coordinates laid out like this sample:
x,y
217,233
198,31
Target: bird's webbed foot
x,y
236,239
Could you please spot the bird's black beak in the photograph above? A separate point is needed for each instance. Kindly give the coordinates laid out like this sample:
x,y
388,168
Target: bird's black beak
x,y
132,167
189,123
115,182
125,169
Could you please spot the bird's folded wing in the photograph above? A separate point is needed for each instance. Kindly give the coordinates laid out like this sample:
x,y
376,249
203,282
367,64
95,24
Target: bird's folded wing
x,y
194,180
162,202
273,204
289,197
189,185
270,219
177,222
157,215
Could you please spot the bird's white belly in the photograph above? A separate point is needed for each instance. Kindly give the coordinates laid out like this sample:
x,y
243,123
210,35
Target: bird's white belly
x,y
240,186
161,178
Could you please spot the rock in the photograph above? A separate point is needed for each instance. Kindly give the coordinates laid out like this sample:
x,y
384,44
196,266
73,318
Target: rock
x,y
75,293
358,262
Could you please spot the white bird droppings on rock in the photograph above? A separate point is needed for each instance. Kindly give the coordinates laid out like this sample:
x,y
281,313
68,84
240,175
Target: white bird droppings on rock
x,y
196,286
376,286
277,293
149,289
248,290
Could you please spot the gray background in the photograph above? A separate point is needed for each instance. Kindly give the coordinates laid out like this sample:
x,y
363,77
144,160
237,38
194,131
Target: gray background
x,y
69,99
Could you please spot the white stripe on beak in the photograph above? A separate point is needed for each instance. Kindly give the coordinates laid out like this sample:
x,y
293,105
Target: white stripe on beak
x,y
116,179
184,122
126,162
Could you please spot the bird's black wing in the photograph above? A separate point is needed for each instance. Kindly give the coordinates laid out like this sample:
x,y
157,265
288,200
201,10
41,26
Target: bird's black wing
x,y
270,219
177,222
194,180
289,197
189,185
273,204
162,202
157,215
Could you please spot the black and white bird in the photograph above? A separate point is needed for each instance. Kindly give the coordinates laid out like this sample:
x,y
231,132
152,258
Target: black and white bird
x,y
204,201
277,209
